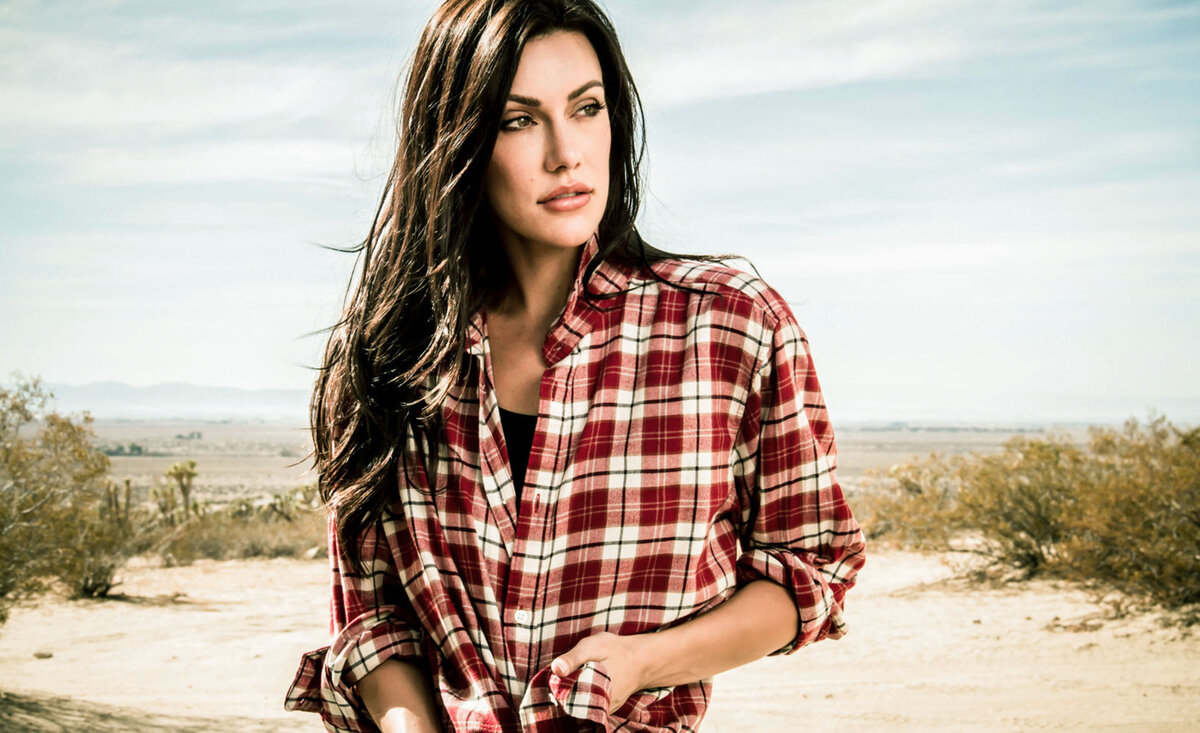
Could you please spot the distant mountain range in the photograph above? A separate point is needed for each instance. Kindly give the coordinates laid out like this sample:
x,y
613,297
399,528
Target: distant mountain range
x,y
874,405
177,400
863,406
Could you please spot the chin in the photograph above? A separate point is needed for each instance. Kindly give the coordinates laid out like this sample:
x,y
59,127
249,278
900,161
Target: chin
x,y
568,236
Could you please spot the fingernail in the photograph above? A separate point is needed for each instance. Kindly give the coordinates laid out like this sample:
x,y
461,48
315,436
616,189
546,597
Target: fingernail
x,y
559,667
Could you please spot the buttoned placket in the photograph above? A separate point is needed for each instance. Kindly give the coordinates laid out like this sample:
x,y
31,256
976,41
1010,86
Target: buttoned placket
x,y
526,531
531,544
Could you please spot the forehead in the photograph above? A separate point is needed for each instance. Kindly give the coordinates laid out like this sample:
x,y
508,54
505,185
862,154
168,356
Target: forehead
x,y
555,64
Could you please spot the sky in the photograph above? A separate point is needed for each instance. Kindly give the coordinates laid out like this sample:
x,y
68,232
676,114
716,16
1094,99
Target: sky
x,y
979,211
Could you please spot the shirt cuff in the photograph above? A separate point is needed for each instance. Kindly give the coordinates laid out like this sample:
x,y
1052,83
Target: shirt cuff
x,y
326,678
818,605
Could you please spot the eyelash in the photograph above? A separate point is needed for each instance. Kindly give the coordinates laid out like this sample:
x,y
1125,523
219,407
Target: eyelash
x,y
507,125
597,105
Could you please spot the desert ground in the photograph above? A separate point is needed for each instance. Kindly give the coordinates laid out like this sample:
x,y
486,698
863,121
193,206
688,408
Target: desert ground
x,y
213,646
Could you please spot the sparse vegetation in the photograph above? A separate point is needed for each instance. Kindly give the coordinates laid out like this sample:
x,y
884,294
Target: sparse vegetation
x,y
55,501
133,449
914,504
286,525
63,519
1122,511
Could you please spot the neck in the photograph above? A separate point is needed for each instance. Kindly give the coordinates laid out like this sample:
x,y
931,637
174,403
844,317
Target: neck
x,y
542,280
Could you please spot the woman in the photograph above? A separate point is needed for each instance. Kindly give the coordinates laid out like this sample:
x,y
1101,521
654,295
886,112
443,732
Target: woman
x,y
571,477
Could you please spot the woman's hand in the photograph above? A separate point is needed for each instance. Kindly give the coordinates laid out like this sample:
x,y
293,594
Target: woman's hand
x,y
620,654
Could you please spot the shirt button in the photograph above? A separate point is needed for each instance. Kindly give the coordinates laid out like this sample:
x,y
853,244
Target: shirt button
x,y
522,616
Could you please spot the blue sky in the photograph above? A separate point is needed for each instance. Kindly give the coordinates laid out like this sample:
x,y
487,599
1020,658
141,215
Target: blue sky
x,y
979,211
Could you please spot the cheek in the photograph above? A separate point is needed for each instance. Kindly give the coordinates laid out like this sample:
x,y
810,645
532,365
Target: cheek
x,y
506,178
602,152
498,187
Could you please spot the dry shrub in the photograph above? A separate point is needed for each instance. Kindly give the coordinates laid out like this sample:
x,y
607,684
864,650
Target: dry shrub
x,y
1137,524
54,501
1121,512
913,504
94,549
1020,498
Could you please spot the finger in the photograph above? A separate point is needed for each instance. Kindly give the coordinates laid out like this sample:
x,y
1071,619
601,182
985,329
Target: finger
x,y
564,665
572,660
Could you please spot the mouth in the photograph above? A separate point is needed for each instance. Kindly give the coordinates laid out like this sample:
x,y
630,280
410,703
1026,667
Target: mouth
x,y
567,193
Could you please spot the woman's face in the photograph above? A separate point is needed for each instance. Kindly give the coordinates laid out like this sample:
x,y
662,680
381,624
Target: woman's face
x,y
547,181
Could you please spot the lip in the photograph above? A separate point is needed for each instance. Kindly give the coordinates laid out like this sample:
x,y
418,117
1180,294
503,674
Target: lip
x,y
582,194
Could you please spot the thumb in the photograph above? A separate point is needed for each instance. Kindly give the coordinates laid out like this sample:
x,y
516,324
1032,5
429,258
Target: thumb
x,y
567,663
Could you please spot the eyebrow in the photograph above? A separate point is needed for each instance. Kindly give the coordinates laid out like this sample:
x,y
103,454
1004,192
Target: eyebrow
x,y
532,102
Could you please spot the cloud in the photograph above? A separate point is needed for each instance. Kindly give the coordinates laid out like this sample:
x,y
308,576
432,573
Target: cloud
x,y
321,162
907,171
66,84
718,50
748,48
162,75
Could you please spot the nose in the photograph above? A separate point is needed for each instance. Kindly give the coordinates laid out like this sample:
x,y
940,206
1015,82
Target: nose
x,y
562,149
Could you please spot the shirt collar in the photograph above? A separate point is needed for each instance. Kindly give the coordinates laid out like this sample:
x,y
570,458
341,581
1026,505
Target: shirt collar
x,y
578,316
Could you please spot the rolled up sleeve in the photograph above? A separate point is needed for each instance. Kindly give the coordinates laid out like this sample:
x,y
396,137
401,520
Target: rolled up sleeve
x,y
371,621
797,529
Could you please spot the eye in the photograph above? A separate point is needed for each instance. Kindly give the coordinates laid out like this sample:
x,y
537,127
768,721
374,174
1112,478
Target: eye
x,y
591,109
519,122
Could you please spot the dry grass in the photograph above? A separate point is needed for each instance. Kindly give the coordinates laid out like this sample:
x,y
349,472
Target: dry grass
x,y
226,536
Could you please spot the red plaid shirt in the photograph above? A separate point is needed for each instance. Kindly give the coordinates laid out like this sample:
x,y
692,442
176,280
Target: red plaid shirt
x,y
682,450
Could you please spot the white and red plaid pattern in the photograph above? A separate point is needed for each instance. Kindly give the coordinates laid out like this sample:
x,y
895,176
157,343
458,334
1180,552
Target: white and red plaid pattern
x,y
682,450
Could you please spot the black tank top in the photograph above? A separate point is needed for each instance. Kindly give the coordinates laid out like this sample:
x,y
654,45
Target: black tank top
x,y
518,438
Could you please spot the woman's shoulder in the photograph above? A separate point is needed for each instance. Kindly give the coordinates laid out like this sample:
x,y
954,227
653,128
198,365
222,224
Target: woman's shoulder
x,y
737,291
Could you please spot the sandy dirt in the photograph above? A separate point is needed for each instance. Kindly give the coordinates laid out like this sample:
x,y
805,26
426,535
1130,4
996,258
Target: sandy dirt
x,y
213,646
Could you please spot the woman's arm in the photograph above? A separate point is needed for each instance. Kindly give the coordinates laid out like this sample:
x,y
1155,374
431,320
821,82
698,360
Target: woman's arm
x,y
375,648
757,620
398,696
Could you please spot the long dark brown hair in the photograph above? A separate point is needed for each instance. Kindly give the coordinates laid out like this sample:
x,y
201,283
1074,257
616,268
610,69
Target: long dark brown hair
x,y
432,257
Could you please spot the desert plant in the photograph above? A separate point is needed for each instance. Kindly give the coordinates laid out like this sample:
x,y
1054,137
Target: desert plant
x,y
24,546
113,509
1121,512
1137,525
183,474
104,544
167,503
913,504
55,500
1019,499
